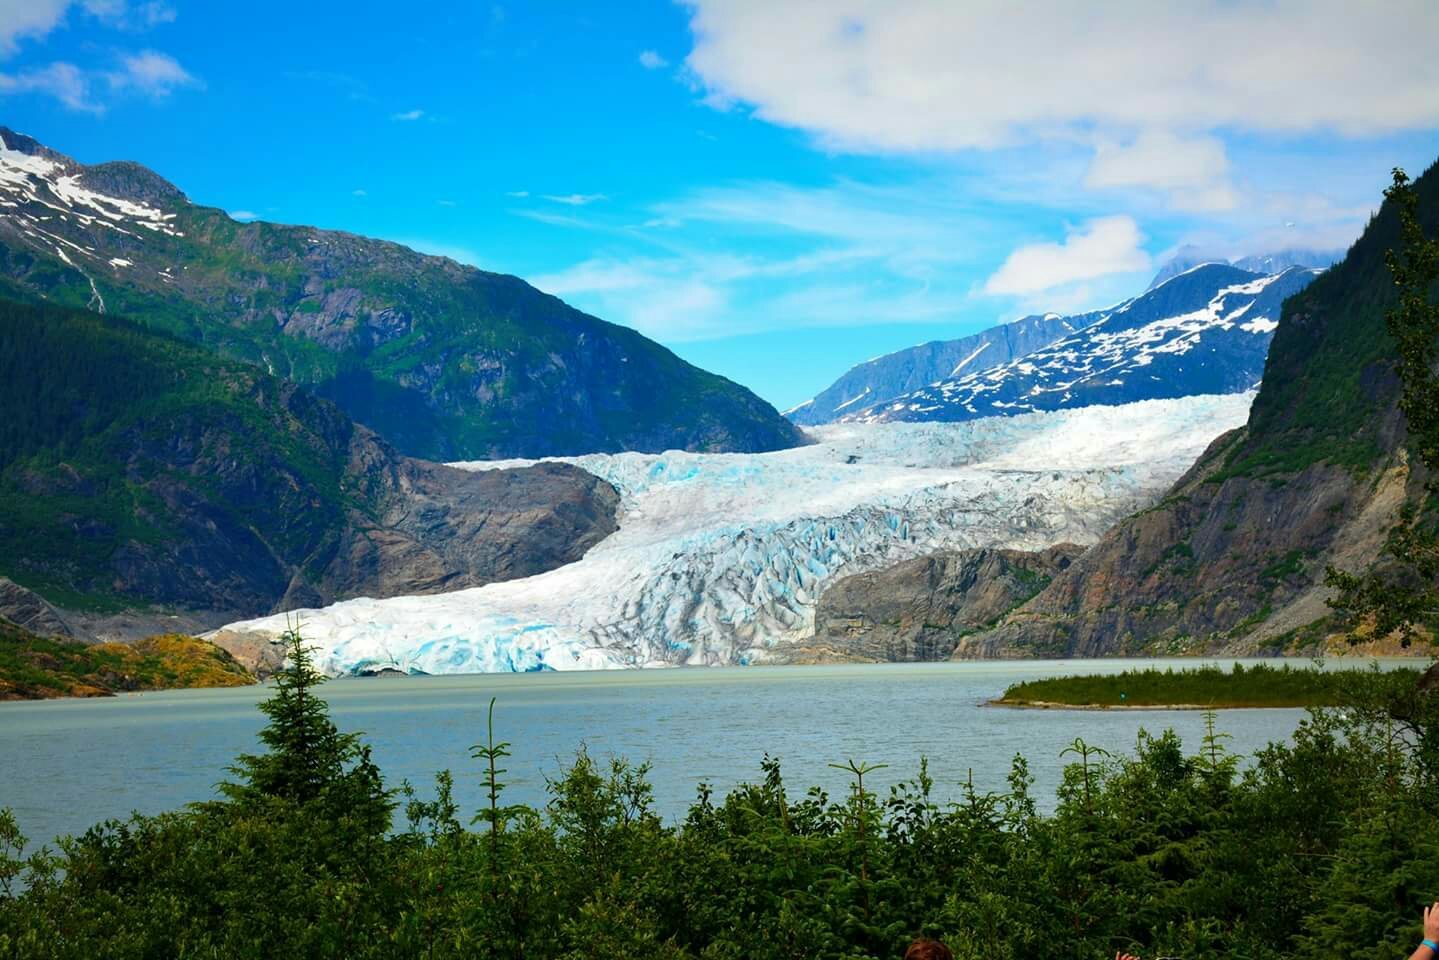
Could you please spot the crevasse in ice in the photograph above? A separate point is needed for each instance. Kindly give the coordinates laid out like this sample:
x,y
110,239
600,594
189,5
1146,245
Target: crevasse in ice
x,y
720,558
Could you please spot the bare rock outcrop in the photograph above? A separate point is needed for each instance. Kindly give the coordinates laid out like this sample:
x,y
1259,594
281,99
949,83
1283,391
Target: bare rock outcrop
x,y
922,608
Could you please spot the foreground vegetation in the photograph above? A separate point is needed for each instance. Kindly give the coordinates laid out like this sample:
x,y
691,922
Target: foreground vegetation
x,y
33,668
1260,685
1320,848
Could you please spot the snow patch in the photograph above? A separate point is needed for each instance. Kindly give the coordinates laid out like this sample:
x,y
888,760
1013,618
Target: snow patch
x,y
721,558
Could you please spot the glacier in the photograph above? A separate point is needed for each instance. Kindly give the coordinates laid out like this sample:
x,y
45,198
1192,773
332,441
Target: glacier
x,y
720,558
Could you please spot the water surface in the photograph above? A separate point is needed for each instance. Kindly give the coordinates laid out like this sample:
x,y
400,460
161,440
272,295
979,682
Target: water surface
x,y
67,764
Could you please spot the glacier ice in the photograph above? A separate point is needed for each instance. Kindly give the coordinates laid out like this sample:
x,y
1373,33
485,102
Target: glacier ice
x,y
720,558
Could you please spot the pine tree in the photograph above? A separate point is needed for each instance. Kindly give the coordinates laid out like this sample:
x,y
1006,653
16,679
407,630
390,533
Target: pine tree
x,y
309,760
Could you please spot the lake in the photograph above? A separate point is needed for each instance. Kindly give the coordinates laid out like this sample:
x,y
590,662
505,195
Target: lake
x,y
67,764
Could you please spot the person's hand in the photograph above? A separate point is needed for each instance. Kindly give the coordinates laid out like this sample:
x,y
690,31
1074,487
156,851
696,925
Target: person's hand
x,y
1130,956
1431,922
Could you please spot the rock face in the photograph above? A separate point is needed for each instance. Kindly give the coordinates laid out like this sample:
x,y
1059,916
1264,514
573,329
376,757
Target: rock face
x,y
203,484
29,611
889,376
444,361
920,609
721,558
1205,331
1233,558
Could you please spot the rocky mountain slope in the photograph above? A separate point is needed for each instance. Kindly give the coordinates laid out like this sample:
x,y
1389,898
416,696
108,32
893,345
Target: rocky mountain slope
x,y
919,609
899,373
1205,331
443,360
1233,557
720,558
137,469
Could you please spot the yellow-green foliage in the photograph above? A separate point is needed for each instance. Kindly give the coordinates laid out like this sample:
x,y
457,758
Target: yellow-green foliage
x,y
33,668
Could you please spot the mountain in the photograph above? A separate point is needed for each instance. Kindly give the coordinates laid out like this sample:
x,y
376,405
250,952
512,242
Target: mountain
x,y
1205,331
1233,557
906,370
1189,257
720,558
918,610
138,469
443,360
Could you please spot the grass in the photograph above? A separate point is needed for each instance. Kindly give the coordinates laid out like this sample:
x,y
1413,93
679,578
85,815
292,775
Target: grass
x,y
36,668
1254,686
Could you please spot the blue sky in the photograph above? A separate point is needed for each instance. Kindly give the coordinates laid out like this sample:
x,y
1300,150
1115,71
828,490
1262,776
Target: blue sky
x,y
776,190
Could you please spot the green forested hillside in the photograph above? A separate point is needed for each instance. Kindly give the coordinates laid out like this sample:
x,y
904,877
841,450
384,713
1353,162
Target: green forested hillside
x,y
136,468
445,361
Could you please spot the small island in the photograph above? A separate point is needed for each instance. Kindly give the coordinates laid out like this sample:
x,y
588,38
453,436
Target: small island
x,y
1201,688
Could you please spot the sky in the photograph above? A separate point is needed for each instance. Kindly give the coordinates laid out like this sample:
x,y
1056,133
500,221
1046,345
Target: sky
x,y
774,189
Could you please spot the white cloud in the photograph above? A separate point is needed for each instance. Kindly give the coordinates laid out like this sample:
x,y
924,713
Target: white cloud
x,y
407,116
1106,246
244,215
359,192
1194,171
651,60
63,81
517,193
128,16
576,199
937,75
155,75
35,19
27,18
147,74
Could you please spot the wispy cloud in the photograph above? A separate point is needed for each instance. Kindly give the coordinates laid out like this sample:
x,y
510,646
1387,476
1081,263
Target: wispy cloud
x,y
408,116
517,193
359,192
651,60
149,74
64,82
153,74
244,215
576,199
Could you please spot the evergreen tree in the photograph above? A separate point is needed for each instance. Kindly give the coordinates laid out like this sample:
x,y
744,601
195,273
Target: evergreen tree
x,y
309,761
1402,593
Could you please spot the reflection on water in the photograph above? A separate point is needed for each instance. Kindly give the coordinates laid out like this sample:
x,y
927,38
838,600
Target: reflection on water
x,y
67,764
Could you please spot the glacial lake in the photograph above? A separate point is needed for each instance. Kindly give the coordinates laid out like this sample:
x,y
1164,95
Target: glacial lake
x,y
68,764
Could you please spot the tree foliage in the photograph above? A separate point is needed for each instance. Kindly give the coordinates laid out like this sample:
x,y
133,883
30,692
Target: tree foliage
x,y
1321,847
1400,595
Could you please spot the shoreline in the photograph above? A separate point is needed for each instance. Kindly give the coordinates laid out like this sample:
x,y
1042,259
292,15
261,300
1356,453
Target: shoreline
x,y
1099,707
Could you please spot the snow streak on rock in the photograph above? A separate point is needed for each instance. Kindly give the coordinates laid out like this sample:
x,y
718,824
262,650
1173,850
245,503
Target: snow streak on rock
x,y
1203,331
720,558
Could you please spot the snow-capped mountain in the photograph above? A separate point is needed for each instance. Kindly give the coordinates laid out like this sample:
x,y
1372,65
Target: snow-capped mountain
x,y
441,359
1189,257
721,558
1205,331
898,373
